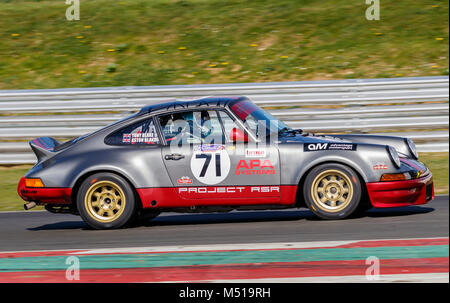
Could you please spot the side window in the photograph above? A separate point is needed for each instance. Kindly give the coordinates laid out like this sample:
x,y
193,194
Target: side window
x,y
193,127
140,133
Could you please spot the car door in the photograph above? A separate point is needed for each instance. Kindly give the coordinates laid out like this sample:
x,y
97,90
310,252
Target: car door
x,y
208,160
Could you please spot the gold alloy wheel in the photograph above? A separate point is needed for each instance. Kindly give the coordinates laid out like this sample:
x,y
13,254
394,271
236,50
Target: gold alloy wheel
x,y
105,201
332,190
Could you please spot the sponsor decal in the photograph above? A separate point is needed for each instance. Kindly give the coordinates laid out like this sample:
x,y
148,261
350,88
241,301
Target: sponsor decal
x,y
255,153
27,191
229,189
328,146
185,180
209,147
380,166
254,167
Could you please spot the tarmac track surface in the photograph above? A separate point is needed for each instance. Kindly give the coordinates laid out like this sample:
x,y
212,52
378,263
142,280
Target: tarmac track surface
x,y
21,231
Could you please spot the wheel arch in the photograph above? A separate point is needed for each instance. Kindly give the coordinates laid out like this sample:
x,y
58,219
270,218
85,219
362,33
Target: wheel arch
x,y
300,201
79,180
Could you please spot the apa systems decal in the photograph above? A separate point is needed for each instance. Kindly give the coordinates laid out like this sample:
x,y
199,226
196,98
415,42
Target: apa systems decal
x,y
254,167
185,180
328,146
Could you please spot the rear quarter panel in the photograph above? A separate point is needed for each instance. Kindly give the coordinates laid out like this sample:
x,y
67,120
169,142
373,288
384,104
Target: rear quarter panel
x,y
141,165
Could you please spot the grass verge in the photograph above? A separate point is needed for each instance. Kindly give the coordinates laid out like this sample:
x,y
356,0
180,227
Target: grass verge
x,y
159,42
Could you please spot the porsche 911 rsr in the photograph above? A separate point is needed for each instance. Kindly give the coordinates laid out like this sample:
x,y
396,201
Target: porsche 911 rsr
x,y
219,154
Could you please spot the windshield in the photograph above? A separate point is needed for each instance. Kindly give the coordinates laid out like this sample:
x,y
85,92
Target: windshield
x,y
257,119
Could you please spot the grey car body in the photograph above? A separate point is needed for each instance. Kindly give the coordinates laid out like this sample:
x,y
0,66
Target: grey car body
x,y
295,154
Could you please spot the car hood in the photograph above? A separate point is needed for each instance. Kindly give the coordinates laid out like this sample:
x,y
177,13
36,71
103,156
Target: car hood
x,y
399,143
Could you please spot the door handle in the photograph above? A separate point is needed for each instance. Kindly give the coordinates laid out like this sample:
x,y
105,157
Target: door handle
x,y
173,157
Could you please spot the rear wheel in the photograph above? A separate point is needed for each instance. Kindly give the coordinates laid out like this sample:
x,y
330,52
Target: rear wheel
x,y
332,191
106,201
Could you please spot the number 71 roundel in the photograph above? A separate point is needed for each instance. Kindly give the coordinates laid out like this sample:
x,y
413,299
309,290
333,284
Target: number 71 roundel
x,y
210,167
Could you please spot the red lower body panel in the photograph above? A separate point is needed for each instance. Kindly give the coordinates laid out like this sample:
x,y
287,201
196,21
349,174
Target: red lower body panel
x,y
217,195
401,193
55,195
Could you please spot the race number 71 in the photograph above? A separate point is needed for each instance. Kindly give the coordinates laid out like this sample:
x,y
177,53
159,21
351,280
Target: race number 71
x,y
206,164
210,167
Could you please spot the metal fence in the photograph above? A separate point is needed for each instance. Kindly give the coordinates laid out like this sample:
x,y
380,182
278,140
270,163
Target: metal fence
x,y
412,107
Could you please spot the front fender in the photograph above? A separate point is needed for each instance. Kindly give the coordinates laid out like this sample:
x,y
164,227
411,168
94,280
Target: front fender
x,y
366,160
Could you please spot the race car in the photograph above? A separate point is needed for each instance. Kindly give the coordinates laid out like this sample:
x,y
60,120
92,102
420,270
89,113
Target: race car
x,y
218,154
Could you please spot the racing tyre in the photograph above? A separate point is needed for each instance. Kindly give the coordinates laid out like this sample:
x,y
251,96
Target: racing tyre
x,y
106,201
332,191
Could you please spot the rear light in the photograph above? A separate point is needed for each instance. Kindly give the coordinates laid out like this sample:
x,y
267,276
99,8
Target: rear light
x,y
395,177
33,182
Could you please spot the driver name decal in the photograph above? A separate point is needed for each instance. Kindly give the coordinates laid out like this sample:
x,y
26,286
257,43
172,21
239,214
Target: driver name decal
x,y
149,138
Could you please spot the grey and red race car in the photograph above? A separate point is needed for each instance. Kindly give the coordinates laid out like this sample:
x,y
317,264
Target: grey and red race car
x,y
219,154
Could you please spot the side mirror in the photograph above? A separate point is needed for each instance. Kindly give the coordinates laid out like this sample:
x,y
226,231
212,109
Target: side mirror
x,y
237,135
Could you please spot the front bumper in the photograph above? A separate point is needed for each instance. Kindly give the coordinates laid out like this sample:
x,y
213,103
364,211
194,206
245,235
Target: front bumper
x,y
401,193
44,195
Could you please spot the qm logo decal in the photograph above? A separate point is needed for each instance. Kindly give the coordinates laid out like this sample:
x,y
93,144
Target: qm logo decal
x,y
316,146
307,147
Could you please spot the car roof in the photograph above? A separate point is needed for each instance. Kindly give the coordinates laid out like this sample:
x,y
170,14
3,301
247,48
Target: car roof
x,y
189,104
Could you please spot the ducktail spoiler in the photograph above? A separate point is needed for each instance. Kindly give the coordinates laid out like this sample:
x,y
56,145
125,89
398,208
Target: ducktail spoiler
x,y
43,147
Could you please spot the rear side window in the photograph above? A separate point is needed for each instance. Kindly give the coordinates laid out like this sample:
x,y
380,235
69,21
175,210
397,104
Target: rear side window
x,y
139,133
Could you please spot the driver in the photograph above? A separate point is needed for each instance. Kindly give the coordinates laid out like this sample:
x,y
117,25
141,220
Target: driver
x,y
188,124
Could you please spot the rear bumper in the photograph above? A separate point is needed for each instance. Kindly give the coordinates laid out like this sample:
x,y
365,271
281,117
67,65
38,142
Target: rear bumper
x,y
401,193
44,195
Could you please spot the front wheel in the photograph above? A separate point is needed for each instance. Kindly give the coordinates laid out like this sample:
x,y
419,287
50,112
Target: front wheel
x,y
106,201
332,191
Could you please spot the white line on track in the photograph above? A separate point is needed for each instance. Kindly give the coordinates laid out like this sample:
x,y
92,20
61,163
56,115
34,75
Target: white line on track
x,y
395,278
215,247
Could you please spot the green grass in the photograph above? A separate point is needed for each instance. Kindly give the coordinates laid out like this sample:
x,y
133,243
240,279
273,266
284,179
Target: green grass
x,y
162,42
9,200
439,165
10,176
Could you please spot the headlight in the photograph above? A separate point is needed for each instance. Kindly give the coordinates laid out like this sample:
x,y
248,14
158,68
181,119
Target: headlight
x,y
412,148
394,156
